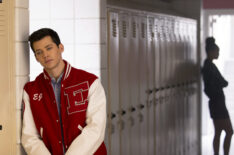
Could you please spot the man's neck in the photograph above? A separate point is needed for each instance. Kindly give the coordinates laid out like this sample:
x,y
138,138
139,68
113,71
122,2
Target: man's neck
x,y
56,72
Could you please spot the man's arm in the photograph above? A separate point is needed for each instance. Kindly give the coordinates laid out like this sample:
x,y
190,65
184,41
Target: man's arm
x,y
31,141
93,133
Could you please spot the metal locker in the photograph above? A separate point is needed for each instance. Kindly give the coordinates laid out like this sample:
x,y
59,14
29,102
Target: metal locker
x,y
8,118
157,44
177,81
162,52
113,76
188,50
124,82
133,59
194,50
172,107
165,80
157,86
195,108
184,50
168,50
142,65
168,95
150,85
177,51
162,85
191,51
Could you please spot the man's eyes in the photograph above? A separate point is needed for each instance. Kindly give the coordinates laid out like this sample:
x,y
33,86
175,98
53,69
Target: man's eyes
x,y
49,48
38,52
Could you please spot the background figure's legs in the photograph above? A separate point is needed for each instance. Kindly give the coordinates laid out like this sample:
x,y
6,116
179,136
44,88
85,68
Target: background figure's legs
x,y
219,125
216,139
229,131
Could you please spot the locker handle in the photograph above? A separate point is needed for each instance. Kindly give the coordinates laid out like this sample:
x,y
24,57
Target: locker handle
x,y
113,115
0,127
133,109
141,106
156,89
149,91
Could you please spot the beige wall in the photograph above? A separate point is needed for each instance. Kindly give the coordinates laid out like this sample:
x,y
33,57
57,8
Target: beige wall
x,y
21,62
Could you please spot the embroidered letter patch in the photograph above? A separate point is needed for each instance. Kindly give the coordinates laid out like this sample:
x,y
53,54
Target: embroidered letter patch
x,y
77,97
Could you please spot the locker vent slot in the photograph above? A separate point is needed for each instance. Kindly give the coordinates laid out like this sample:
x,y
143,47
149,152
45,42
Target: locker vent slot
x,y
134,29
124,29
114,28
151,33
2,22
143,30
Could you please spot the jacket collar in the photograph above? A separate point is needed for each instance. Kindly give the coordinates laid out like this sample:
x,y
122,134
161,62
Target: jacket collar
x,y
65,75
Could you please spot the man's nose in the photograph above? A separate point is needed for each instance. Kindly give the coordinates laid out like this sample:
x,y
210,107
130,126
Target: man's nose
x,y
45,54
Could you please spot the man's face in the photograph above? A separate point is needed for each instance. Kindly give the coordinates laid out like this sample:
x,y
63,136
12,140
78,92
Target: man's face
x,y
48,54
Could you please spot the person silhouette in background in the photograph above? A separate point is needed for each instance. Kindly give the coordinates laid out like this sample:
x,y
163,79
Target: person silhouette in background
x,y
214,84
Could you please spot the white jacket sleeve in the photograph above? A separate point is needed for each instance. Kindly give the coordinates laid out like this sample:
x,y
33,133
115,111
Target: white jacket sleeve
x,y
93,133
31,141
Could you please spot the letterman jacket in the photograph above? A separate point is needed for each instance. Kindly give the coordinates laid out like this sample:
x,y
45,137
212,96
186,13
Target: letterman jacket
x,y
83,115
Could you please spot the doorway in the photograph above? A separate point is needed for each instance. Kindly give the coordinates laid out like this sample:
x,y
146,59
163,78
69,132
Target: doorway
x,y
220,27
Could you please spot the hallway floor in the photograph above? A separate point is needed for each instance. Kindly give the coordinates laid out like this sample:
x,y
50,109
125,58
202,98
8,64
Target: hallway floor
x,y
207,145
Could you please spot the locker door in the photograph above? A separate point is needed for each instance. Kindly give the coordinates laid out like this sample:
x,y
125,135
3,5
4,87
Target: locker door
x,y
157,86
134,85
190,56
113,77
163,53
157,46
171,105
180,52
7,82
195,91
177,51
194,49
124,61
160,95
142,63
177,80
184,84
173,50
150,86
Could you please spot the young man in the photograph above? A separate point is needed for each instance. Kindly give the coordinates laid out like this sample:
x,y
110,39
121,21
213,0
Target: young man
x,y
64,108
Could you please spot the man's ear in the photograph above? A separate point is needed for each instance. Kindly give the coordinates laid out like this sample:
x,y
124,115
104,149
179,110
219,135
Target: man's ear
x,y
61,47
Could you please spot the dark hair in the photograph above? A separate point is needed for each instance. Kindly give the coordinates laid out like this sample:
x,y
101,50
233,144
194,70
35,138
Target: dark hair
x,y
41,33
210,44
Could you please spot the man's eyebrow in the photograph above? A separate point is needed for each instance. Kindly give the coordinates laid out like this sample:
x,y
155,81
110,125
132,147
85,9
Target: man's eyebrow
x,y
45,47
48,45
37,50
